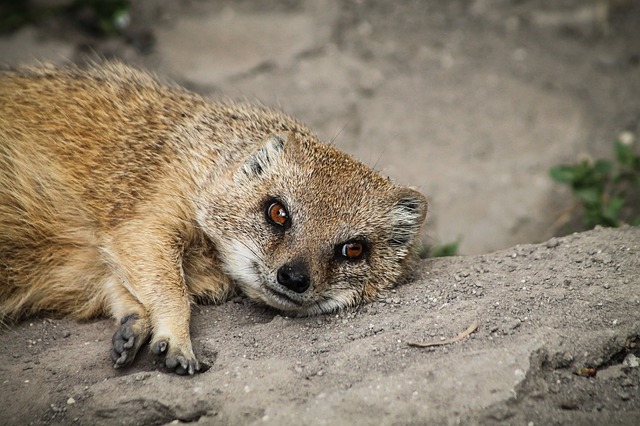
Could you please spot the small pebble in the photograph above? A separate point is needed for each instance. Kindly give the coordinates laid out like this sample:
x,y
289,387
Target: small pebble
x,y
71,401
569,405
631,361
552,243
626,382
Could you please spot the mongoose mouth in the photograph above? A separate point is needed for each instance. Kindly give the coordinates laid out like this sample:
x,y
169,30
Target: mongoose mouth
x,y
281,300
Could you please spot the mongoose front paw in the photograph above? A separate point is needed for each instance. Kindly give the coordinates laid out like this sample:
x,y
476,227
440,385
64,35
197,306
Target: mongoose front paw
x,y
180,361
130,336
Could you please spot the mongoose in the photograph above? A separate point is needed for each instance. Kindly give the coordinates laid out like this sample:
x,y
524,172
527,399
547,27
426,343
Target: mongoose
x,y
124,196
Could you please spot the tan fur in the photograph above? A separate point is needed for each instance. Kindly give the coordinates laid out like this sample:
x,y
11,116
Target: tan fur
x,y
121,196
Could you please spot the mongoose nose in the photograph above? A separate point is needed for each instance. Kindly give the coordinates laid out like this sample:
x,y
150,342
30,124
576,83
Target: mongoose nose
x,y
294,276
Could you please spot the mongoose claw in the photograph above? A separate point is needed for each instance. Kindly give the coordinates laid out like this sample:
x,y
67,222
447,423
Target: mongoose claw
x,y
126,341
160,347
181,365
175,360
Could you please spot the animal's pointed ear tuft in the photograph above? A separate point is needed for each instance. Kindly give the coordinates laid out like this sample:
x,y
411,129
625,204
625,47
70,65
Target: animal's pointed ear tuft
x,y
263,158
407,216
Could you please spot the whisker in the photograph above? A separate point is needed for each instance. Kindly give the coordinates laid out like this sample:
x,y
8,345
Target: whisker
x,y
384,149
333,139
251,249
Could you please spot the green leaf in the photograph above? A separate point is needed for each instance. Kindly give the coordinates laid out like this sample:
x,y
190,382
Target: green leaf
x,y
589,195
602,167
564,174
625,154
611,211
443,250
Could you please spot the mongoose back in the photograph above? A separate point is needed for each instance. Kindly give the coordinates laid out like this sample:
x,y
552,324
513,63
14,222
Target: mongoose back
x,y
126,197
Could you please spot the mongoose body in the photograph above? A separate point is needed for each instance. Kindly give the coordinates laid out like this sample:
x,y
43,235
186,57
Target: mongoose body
x,y
125,197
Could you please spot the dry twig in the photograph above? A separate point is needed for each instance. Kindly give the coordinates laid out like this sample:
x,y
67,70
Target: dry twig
x,y
473,327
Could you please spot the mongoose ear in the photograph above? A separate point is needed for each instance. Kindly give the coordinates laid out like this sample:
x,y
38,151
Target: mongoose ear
x,y
263,158
407,216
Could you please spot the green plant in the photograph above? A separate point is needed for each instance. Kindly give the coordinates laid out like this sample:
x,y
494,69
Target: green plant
x,y
444,250
105,17
425,250
607,191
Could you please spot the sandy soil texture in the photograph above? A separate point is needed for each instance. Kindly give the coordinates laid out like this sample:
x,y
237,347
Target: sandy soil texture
x,y
543,312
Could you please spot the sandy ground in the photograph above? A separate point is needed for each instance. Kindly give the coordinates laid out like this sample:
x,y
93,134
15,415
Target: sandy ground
x,y
544,311
472,102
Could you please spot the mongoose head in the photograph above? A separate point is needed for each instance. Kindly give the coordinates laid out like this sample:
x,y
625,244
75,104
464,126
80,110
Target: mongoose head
x,y
306,229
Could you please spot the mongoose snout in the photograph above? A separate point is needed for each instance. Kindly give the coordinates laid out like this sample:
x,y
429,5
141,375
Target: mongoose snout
x,y
294,276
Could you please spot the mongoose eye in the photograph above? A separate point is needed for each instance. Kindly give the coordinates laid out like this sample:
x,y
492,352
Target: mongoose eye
x,y
351,250
277,214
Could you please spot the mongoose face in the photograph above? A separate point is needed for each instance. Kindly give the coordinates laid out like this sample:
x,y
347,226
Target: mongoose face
x,y
322,231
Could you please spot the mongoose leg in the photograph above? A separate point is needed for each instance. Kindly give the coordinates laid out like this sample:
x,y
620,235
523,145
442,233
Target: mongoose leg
x,y
153,287
171,337
134,326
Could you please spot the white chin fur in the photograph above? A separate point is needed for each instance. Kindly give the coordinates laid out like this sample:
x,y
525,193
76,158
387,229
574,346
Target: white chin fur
x,y
326,305
240,261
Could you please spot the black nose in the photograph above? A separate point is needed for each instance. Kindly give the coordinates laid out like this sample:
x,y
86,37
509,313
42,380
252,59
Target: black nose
x,y
294,276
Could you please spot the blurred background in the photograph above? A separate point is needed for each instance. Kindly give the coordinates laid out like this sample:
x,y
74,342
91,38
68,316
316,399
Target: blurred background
x,y
475,103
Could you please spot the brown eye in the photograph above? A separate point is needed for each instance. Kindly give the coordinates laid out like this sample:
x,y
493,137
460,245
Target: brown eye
x,y
352,250
277,214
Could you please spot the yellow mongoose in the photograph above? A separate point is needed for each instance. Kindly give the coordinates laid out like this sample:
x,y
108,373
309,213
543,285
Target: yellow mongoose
x,y
126,197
